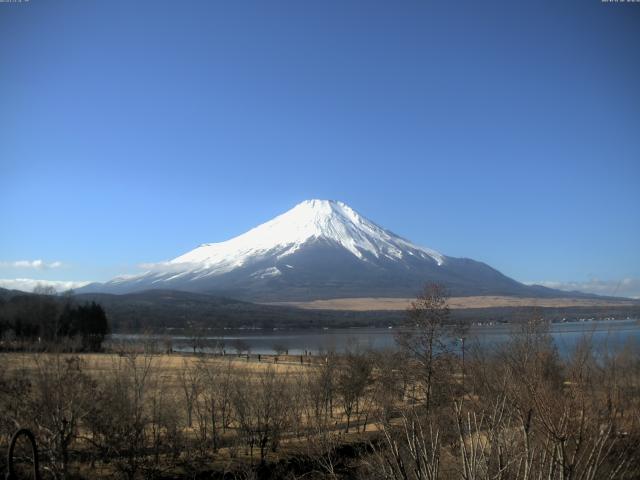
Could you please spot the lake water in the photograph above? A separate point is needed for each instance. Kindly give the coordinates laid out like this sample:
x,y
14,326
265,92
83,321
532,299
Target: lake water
x,y
611,334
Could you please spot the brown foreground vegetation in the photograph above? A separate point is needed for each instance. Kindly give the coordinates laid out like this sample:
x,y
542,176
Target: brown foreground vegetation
x,y
516,412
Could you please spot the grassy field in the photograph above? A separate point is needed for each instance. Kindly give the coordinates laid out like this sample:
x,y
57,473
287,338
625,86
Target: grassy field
x,y
393,304
168,367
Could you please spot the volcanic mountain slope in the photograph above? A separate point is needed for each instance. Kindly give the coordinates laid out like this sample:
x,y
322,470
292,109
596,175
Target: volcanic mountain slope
x,y
319,249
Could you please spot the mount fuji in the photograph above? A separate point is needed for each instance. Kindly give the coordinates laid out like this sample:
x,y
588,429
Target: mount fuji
x,y
319,249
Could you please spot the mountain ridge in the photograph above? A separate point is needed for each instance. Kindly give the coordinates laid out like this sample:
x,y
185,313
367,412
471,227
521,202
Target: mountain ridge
x,y
319,249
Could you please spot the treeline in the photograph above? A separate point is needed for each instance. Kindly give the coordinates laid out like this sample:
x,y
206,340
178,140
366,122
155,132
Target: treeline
x,y
551,314
42,319
158,310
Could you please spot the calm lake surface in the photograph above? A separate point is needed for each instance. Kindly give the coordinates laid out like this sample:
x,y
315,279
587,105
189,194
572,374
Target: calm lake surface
x,y
610,334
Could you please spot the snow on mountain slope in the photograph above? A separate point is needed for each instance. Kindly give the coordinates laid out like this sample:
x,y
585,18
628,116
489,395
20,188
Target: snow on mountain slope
x,y
308,221
318,249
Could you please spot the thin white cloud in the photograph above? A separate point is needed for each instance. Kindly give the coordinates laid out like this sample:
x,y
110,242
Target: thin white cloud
x,y
626,287
31,264
28,284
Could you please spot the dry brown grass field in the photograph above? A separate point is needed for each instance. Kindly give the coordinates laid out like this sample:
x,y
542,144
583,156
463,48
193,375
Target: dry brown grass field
x,y
167,377
167,365
393,304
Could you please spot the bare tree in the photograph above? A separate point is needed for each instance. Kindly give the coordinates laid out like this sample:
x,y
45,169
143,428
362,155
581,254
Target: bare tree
x,y
164,429
262,410
279,348
240,346
61,398
214,402
119,425
428,339
392,380
353,378
540,417
409,451
190,384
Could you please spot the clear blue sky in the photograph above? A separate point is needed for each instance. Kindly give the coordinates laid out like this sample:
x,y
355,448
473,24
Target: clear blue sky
x,y
508,132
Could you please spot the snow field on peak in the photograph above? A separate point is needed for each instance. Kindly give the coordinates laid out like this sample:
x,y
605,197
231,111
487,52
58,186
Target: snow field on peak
x,y
287,233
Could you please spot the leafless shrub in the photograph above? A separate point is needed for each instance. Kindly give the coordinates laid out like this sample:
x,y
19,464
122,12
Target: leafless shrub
x,y
354,375
261,406
409,451
213,402
119,426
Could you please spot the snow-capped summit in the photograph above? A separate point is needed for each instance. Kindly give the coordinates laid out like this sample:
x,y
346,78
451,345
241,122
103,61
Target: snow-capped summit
x,y
318,249
309,221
